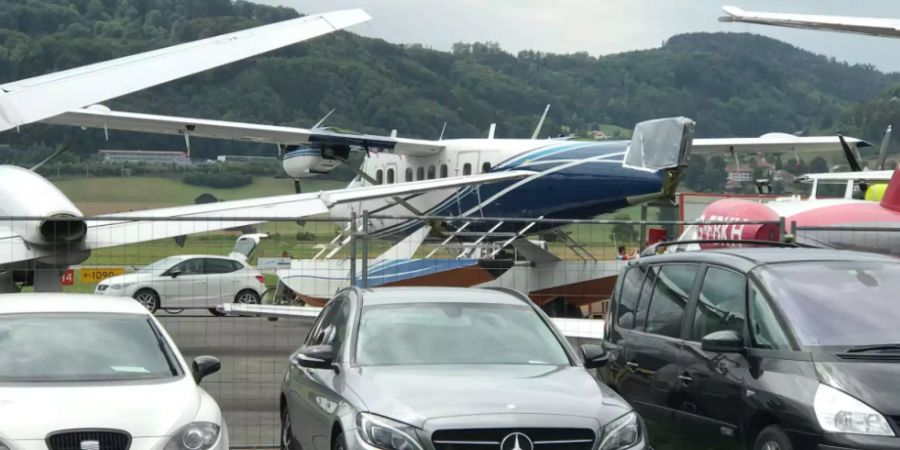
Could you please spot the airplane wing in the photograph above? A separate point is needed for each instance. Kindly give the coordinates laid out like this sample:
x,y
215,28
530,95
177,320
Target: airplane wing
x,y
775,143
860,25
99,116
140,226
842,177
591,329
41,97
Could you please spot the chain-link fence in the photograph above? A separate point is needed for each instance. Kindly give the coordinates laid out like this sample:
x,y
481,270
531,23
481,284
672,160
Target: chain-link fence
x,y
568,267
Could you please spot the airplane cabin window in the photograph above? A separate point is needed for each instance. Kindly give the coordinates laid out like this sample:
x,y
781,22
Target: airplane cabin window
x,y
409,175
486,167
431,172
467,169
379,177
443,171
390,176
420,173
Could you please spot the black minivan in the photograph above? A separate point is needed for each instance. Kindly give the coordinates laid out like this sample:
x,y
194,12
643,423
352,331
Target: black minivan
x,y
759,348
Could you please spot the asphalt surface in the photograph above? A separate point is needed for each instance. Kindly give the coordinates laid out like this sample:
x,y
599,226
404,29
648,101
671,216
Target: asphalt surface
x,y
254,353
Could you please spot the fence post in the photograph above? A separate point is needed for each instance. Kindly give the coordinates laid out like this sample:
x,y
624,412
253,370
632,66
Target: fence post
x,y
353,231
781,224
365,250
794,230
643,228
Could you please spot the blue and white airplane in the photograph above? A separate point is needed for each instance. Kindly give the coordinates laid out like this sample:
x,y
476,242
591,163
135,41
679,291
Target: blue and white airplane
x,y
572,179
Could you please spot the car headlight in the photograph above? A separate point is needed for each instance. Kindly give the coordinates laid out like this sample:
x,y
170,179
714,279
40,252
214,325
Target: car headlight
x,y
621,433
119,286
840,413
385,433
194,436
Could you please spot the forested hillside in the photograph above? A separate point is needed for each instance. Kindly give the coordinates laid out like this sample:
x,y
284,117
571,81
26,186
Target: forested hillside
x,y
732,84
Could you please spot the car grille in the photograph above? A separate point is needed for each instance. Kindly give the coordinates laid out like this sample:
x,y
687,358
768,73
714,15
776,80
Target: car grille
x,y
491,438
89,440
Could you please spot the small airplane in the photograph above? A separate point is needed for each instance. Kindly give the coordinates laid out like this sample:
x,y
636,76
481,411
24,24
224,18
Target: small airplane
x,y
42,231
859,25
844,223
572,179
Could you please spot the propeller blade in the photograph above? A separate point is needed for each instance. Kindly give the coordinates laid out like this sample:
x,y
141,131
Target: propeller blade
x,y
885,143
54,155
322,120
852,160
537,130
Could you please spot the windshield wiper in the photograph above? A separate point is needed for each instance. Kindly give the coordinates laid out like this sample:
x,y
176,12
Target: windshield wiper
x,y
872,348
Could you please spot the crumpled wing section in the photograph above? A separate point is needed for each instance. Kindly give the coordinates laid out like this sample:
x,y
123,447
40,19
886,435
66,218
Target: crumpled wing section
x,y
141,226
861,25
99,116
41,97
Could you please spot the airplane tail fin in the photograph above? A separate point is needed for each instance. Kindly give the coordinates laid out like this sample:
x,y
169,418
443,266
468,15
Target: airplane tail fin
x,y
891,198
660,144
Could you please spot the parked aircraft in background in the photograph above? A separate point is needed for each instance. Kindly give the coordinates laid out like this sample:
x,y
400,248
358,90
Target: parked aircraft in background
x,y
860,25
844,223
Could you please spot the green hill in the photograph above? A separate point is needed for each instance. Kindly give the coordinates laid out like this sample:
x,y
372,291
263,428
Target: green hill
x,y
732,84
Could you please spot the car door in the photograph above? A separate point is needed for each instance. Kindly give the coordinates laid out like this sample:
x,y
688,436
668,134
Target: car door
x,y
652,349
315,394
187,286
222,281
713,382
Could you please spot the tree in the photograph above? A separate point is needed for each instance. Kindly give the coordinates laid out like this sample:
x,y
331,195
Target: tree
x,y
715,174
624,232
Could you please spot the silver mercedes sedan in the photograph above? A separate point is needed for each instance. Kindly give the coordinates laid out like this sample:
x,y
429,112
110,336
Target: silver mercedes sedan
x,y
447,369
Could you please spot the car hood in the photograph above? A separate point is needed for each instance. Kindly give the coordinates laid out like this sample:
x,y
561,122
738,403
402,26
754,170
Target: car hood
x,y
145,409
129,278
872,381
415,394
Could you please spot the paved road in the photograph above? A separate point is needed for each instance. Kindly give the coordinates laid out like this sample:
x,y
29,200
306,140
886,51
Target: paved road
x,y
254,354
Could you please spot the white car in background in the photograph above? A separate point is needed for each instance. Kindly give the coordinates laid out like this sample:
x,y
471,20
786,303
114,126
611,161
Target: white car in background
x,y
204,281
93,372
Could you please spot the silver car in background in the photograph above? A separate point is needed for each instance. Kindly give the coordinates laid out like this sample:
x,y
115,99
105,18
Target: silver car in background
x,y
447,369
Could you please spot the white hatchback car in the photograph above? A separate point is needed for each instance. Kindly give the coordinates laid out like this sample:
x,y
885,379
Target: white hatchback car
x,y
90,372
189,280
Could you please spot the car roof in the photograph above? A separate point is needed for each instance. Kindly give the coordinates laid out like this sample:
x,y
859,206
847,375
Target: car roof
x,y
68,303
748,258
405,295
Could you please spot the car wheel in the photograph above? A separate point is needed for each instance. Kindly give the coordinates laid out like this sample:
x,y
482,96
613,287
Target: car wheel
x,y
247,296
147,297
287,433
773,438
338,442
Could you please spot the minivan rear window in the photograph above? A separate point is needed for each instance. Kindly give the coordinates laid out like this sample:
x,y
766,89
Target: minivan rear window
x,y
838,303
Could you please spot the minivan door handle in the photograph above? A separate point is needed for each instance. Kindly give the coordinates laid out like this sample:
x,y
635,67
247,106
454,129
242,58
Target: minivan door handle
x,y
685,378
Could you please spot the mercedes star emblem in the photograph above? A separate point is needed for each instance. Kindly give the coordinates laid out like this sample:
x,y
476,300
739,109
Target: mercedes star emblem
x,y
516,441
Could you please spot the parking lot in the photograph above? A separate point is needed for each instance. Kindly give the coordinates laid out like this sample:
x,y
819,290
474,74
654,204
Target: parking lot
x,y
254,353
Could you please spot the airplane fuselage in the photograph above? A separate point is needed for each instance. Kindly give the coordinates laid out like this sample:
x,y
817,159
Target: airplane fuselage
x,y
572,179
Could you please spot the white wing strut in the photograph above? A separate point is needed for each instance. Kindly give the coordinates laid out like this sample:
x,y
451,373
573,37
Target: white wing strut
x,y
41,97
859,25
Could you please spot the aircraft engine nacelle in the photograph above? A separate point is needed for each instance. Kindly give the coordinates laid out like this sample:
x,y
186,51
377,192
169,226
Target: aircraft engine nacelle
x,y
733,216
304,162
24,193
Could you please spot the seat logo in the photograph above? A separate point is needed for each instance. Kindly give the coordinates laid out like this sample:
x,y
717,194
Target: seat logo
x,y
516,441
90,445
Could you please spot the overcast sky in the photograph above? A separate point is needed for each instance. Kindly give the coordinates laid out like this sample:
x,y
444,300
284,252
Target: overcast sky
x,y
604,26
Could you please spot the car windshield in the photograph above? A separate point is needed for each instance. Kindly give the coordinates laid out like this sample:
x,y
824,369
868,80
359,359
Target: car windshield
x,y
455,333
82,347
162,265
838,303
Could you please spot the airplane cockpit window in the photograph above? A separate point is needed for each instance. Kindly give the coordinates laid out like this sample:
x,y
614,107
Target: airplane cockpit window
x,y
431,172
379,177
486,167
390,176
420,174
467,169
409,175
443,171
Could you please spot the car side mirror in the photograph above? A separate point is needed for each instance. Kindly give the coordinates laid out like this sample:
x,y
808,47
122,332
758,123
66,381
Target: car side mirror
x,y
315,357
725,341
204,366
174,273
594,356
